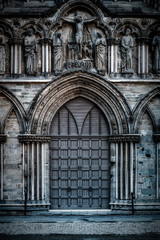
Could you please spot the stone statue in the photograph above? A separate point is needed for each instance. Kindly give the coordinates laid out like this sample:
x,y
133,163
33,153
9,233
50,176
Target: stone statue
x,y
156,51
126,51
79,22
2,55
87,50
30,52
100,46
58,53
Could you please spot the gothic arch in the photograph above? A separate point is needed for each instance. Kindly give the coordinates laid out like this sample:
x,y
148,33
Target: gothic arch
x,y
127,23
7,28
17,106
142,106
55,94
87,5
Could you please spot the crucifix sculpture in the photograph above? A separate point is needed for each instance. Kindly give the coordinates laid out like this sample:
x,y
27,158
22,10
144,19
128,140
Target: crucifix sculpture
x,y
79,22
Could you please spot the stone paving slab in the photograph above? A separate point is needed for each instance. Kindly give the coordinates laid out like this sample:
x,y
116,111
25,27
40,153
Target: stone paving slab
x,y
82,225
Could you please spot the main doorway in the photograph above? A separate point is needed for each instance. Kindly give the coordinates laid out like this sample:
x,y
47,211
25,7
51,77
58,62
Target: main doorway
x,y
79,153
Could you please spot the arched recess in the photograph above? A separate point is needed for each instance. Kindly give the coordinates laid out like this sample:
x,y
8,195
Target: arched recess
x,y
96,9
12,171
101,92
143,106
17,106
79,147
146,155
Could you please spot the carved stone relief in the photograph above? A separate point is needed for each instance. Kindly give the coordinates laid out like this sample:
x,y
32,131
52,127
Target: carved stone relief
x,y
100,46
30,52
126,51
156,51
58,53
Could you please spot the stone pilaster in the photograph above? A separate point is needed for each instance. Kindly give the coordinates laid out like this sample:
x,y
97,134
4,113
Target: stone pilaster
x,y
123,166
113,57
46,58
2,140
143,64
34,166
16,57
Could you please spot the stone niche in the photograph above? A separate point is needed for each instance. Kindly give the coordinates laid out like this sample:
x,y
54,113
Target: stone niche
x,y
79,44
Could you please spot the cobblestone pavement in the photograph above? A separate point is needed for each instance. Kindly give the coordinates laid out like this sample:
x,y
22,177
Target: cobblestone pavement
x,y
80,225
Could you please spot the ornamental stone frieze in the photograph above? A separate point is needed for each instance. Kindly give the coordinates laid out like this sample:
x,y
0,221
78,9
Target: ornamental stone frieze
x,y
125,138
26,138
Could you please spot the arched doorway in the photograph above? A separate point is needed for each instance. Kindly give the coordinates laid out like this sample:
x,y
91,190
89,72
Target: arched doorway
x,y
79,152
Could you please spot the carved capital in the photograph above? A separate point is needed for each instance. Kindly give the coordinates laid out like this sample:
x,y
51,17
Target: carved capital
x,y
125,138
45,41
2,138
112,41
14,41
33,138
156,137
143,40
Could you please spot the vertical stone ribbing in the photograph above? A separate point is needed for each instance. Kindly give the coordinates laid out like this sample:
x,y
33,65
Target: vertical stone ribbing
x,y
117,170
126,171
1,146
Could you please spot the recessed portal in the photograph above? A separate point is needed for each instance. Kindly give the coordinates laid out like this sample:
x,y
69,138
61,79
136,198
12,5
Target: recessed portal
x,y
79,169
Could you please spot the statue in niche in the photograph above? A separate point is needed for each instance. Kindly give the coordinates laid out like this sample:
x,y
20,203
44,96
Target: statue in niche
x,y
156,50
58,53
79,22
2,55
126,51
100,46
30,52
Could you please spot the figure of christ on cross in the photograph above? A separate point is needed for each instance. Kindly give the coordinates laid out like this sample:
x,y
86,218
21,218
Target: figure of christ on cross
x,y
79,21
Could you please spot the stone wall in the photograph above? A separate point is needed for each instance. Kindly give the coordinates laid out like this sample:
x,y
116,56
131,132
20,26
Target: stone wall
x,y
45,62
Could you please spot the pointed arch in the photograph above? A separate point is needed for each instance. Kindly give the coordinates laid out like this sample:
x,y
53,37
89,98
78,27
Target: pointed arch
x,y
142,106
90,86
17,106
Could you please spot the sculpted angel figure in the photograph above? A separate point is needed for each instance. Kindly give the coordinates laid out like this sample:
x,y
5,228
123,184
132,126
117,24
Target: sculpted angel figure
x,y
156,51
30,51
126,50
79,22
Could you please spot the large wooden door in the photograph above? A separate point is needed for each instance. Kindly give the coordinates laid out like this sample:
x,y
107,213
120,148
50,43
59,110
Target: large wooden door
x,y
79,171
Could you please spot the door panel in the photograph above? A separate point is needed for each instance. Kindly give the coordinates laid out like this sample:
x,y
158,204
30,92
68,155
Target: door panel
x,y
79,172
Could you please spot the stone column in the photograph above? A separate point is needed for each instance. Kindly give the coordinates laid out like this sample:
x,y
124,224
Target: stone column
x,y
34,159
2,140
156,138
46,58
16,56
124,167
143,57
113,57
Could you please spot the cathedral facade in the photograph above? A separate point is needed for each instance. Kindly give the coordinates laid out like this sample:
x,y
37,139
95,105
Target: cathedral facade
x,y
80,105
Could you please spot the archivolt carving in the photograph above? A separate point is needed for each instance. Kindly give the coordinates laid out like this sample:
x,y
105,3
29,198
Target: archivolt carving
x,y
61,90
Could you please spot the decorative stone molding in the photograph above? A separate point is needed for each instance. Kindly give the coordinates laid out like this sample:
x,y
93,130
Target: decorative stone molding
x,y
125,138
26,138
156,137
2,138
